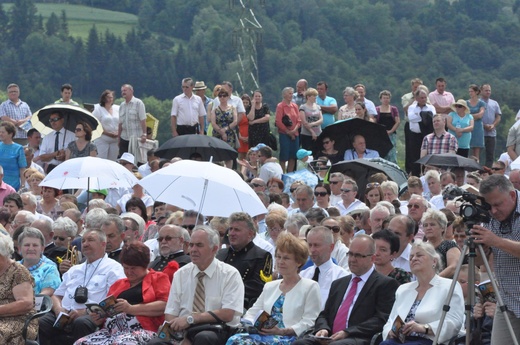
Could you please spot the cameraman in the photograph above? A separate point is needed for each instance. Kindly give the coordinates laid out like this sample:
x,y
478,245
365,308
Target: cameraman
x,y
501,236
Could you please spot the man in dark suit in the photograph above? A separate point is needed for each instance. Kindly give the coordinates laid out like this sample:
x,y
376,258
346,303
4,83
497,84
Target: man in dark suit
x,y
359,304
253,263
171,244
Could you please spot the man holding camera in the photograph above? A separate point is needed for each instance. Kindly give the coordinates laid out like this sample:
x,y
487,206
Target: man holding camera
x,y
501,236
87,282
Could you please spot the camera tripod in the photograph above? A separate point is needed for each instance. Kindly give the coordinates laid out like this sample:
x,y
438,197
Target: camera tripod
x,y
472,246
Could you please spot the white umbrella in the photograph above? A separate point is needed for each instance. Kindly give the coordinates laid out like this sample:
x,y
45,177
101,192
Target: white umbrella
x,y
210,189
89,173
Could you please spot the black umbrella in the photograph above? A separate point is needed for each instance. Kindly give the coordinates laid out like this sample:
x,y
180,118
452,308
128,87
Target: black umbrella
x,y
72,115
342,132
361,169
450,160
184,146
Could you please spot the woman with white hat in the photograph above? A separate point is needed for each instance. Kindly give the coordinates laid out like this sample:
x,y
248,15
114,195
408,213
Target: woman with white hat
x,y
460,124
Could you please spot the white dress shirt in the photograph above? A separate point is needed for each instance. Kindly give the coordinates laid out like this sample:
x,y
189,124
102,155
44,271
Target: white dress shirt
x,y
339,253
329,272
403,261
49,140
360,286
356,205
224,289
97,277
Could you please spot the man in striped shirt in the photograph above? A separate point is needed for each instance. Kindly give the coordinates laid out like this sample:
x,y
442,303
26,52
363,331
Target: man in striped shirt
x,y
16,111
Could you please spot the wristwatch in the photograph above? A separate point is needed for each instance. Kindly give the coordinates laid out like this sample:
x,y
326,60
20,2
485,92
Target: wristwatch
x,y
427,329
190,320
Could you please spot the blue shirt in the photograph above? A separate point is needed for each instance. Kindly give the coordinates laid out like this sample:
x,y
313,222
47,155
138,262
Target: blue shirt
x,y
328,118
351,154
12,159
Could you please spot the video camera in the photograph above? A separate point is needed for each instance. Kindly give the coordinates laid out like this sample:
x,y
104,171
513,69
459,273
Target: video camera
x,y
474,209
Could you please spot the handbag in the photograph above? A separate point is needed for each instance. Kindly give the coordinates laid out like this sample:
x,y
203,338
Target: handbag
x,y
272,142
426,124
286,120
217,327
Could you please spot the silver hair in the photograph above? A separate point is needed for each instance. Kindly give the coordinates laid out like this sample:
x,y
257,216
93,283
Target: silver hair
x,y
100,234
186,235
30,232
66,224
95,218
421,199
29,216
380,208
287,89
298,220
431,252
437,216
213,236
115,219
388,205
500,182
30,197
97,203
324,232
390,185
6,245
432,174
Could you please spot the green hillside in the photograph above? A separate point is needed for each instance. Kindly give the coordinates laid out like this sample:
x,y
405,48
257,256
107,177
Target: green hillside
x,y
81,18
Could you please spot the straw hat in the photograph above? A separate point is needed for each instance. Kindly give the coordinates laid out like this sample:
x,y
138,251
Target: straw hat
x,y
460,102
200,86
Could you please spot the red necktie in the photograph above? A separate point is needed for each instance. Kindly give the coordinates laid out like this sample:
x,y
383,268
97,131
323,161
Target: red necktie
x,y
341,316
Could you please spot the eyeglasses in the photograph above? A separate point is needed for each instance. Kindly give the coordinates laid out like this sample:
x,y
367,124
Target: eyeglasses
x,y
326,142
320,193
416,206
222,96
78,129
373,185
274,229
257,185
334,182
59,237
189,227
167,238
334,228
358,256
459,106
345,190
495,169
54,119
127,229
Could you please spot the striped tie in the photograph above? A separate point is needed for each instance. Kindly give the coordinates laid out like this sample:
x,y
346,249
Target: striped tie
x,y
200,295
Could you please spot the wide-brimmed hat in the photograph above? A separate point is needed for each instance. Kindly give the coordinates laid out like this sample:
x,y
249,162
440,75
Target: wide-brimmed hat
x,y
462,103
200,86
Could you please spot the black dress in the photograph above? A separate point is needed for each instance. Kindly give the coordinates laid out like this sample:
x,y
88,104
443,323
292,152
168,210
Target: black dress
x,y
259,132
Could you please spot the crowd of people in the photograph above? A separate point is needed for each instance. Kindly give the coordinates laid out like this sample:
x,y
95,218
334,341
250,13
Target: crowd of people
x,y
325,263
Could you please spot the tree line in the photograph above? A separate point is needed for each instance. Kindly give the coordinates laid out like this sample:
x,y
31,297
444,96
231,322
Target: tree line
x,y
380,43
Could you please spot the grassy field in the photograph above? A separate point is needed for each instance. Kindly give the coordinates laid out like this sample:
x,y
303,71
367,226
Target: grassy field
x,y
82,18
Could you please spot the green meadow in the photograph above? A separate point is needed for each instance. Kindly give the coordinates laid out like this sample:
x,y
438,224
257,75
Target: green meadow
x,y
82,18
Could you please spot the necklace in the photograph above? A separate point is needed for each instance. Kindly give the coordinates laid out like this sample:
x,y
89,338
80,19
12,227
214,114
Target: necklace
x,y
34,267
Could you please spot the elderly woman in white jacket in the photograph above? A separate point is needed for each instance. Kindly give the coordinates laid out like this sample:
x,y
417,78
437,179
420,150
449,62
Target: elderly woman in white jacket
x,y
293,302
419,304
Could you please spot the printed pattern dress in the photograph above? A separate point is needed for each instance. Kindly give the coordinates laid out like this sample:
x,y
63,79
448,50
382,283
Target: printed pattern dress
x,y
122,328
224,119
259,339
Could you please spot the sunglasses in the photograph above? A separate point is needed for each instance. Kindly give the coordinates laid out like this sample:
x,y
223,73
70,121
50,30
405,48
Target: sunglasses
x,y
345,190
189,227
496,169
373,185
167,238
222,96
78,129
416,206
326,142
55,119
59,237
257,185
334,182
320,193
334,228
459,106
